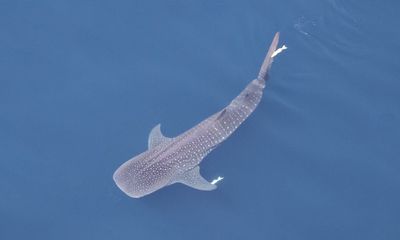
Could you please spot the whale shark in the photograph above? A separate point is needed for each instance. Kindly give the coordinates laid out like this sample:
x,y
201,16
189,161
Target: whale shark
x,y
176,160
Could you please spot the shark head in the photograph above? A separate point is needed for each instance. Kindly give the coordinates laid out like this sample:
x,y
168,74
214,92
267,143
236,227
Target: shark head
x,y
127,185
136,180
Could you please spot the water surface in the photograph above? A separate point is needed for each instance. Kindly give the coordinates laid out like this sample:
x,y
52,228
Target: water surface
x,y
83,82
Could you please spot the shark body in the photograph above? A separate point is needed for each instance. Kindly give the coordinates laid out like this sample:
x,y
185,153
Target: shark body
x,y
176,160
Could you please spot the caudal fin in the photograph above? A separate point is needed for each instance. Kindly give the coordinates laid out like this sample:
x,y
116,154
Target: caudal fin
x,y
263,74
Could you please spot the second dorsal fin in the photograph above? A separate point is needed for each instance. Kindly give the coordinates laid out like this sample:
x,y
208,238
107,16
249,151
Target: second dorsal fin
x,y
221,114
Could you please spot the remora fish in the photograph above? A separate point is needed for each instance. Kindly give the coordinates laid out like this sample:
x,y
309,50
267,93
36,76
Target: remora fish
x,y
176,160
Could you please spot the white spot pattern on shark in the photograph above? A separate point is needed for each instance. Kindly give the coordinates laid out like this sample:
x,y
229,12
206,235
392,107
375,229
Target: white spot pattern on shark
x,y
176,160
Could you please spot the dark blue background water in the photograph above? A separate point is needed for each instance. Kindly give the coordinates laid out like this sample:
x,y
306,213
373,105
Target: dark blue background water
x,y
83,82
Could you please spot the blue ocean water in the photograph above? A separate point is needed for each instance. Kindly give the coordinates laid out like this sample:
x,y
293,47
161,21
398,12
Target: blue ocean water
x,y
83,82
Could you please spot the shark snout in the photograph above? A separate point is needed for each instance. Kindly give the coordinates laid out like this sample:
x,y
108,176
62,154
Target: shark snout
x,y
123,182
126,183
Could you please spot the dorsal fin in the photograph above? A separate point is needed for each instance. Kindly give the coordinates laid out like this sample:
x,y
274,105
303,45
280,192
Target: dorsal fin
x,y
221,114
156,137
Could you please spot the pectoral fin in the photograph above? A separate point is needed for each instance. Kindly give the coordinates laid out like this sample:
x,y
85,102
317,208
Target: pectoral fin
x,y
156,137
193,179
